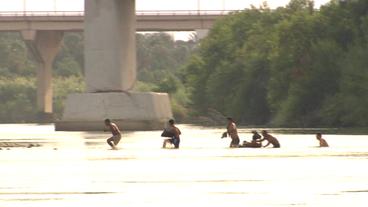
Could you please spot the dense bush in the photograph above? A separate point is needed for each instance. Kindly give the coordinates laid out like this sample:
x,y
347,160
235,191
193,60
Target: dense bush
x,y
18,100
294,66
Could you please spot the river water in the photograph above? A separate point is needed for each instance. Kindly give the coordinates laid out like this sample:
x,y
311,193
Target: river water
x,y
78,169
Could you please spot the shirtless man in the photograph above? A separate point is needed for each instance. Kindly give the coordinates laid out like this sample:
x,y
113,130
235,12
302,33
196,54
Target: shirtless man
x,y
175,131
322,142
270,139
233,133
116,134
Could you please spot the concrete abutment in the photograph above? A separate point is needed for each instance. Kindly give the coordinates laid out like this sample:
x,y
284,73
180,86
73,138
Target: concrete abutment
x,y
110,68
44,46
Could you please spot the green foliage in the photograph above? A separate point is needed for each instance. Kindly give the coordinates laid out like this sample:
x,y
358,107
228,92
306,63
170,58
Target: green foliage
x,y
18,77
67,67
348,107
195,80
159,61
158,54
169,84
63,86
144,86
18,99
231,71
70,60
13,56
292,66
159,58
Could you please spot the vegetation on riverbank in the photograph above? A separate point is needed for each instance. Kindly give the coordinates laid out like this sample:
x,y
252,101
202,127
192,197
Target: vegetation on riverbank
x,y
291,67
18,77
159,59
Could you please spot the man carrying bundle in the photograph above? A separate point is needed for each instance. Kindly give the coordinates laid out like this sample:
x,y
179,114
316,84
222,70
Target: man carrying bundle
x,y
174,133
233,133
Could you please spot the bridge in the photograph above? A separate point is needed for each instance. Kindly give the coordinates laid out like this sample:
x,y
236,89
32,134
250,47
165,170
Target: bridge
x,y
109,28
43,32
164,20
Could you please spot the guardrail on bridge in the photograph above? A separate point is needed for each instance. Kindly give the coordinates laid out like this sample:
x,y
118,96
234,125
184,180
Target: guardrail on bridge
x,y
141,13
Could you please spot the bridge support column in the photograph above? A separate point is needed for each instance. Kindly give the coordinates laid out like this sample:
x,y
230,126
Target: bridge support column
x,y
110,51
202,33
110,61
44,46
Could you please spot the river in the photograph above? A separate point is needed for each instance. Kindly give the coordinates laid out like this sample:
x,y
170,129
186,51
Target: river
x,y
78,169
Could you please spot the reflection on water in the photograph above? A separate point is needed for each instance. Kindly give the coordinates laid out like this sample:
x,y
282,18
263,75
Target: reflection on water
x,y
78,169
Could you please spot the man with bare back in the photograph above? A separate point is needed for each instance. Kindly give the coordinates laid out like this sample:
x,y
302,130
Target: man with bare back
x,y
116,134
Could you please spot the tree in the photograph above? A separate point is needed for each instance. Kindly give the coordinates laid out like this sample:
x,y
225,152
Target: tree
x,y
293,66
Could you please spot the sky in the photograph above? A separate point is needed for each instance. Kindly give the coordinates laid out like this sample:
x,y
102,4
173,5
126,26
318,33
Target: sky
x,y
78,5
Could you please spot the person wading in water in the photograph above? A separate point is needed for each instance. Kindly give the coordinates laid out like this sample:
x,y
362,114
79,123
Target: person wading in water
x,y
232,132
174,133
116,134
270,139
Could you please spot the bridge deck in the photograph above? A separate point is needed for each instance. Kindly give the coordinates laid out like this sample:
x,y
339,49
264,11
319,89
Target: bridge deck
x,y
73,21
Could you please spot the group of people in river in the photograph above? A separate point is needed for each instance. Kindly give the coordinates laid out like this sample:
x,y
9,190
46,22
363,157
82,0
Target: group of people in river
x,y
257,139
172,133
172,136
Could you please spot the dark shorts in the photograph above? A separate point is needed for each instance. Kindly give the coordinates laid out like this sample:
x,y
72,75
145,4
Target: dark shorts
x,y
175,141
116,139
234,142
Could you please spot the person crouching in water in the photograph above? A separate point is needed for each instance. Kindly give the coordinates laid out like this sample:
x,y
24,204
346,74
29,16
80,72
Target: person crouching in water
x,y
116,134
233,133
322,142
173,132
271,140
255,141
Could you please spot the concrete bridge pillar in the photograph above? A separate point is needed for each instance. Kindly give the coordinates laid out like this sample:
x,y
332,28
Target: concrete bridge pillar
x,y
44,46
110,68
202,33
110,51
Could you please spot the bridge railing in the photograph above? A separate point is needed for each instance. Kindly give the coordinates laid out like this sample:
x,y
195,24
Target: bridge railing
x,y
40,13
141,12
185,12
